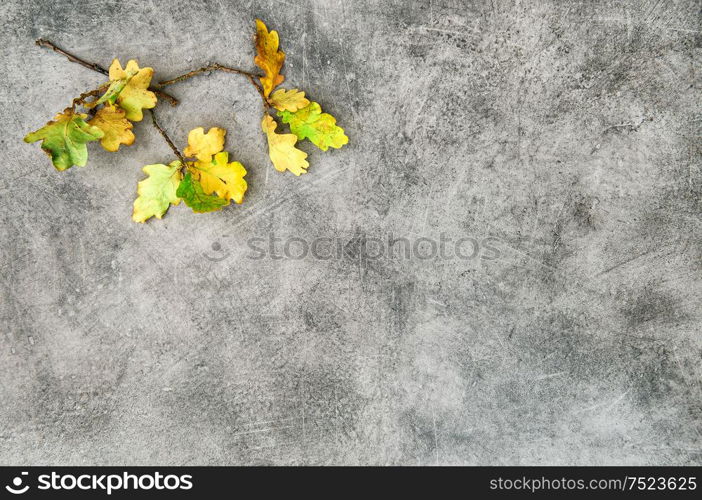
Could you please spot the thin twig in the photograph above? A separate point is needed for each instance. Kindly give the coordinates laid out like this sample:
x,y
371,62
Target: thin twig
x,y
219,67
205,69
171,100
96,67
259,90
84,96
168,140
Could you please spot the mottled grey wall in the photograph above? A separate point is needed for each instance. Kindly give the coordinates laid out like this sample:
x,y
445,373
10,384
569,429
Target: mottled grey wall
x,y
568,131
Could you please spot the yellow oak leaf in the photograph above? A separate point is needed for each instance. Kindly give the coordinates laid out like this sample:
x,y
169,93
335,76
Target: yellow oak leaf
x,y
157,192
282,150
203,145
134,96
288,100
221,177
116,128
268,57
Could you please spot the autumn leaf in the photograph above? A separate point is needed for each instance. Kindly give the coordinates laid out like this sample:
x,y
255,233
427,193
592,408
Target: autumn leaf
x,y
282,150
288,100
203,145
64,139
190,190
134,96
116,128
157,192
221,177
268,57
320,128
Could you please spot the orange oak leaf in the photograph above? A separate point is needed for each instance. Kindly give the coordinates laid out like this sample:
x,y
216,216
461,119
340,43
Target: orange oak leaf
x,y
268,57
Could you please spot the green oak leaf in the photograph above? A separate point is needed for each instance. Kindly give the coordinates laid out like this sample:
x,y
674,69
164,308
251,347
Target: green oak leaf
x,y
64,139
320,128
113,91
157,192
190,190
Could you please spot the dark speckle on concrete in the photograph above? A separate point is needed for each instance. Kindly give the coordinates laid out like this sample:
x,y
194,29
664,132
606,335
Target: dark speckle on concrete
x,y
566,132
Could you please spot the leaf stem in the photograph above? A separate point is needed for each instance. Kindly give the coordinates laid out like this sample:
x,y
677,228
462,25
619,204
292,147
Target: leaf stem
x,y
82,98
168,140
251,77
96,67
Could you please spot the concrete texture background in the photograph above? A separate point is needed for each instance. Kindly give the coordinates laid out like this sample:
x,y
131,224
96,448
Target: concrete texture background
x,y
570,131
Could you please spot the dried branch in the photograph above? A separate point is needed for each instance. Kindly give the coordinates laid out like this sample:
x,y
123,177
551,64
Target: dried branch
x,y
167,139
96,67
251,77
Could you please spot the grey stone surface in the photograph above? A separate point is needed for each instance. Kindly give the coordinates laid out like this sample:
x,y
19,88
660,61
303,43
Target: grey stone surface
x,y
567,131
